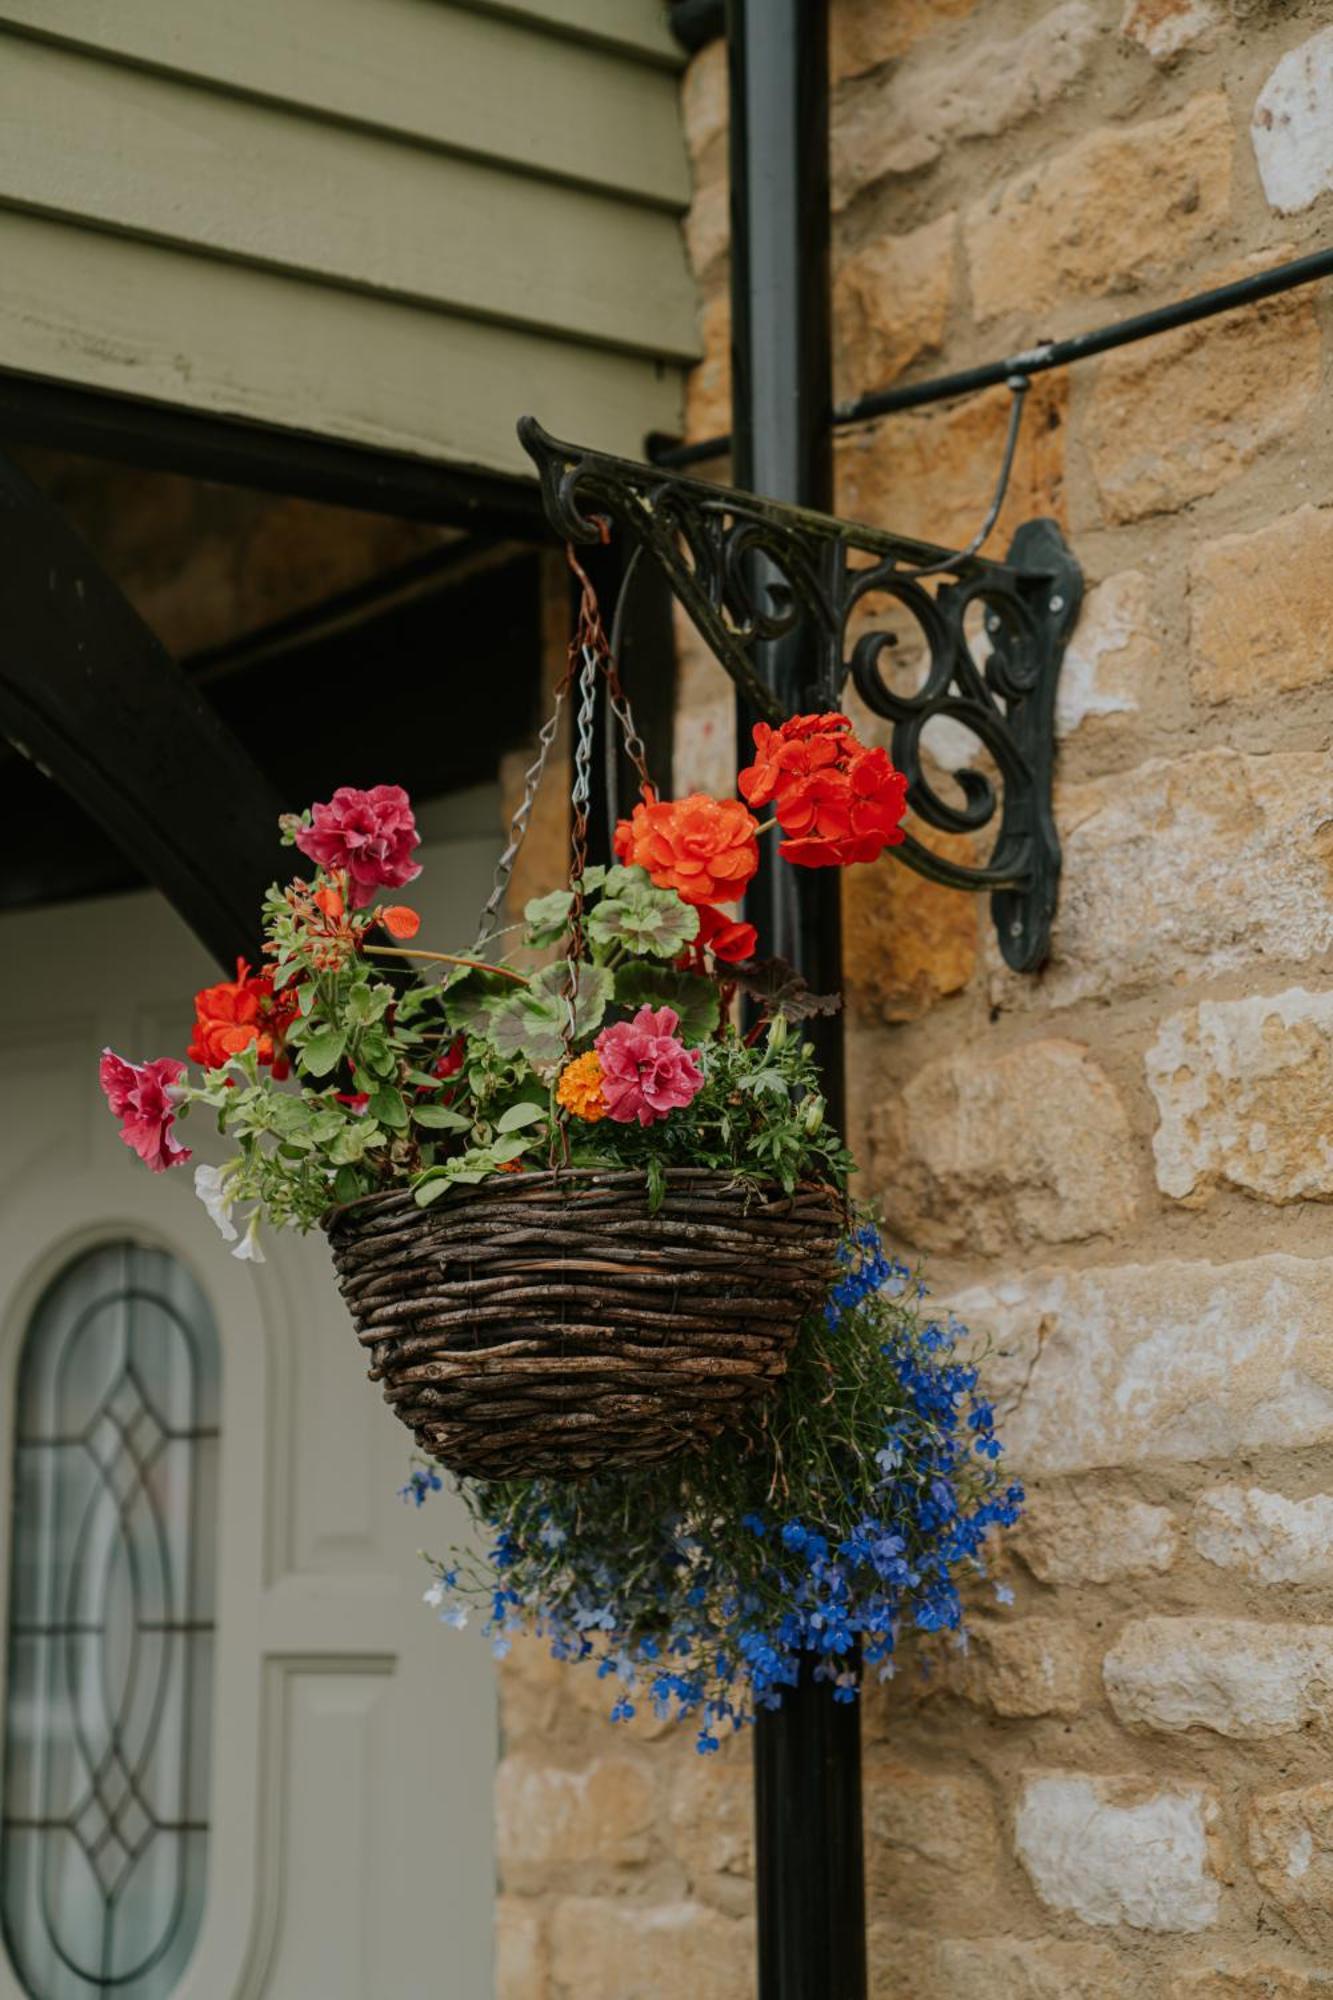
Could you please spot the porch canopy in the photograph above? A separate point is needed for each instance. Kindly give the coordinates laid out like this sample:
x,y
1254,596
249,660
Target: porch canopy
x,y
393,224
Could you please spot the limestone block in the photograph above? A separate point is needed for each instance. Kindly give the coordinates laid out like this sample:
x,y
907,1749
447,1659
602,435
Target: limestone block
x,y
1119,1850
1162,28
520,1950
931,474
1261,610
903,119
973,1159
1027,1667
891,303
621,1950
1291,1848
924,1831
712,1825
1235,1676
1118,206
1292,127
1244,1092
1179,416
865,33
548,1817
1250,1982
1265,1536
1110,656
907,942
1129,1364
1189,867
1081,1538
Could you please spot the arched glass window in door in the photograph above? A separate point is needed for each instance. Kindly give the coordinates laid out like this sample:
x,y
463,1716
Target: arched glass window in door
x,y
108,1693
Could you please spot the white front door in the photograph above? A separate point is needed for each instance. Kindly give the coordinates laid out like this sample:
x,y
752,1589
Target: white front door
x,y
350,1742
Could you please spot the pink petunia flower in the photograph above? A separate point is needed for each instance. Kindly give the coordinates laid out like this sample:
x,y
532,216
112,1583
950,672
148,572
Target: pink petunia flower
x,y
370,834
647,1071
144,1097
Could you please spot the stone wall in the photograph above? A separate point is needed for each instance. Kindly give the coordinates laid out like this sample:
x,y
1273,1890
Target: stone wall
x,y
1119,1168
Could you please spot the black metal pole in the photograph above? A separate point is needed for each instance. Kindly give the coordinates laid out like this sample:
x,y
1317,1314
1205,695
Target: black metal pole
x,y
809,1866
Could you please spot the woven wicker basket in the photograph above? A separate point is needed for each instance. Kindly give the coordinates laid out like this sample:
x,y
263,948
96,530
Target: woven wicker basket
x,y
547,1323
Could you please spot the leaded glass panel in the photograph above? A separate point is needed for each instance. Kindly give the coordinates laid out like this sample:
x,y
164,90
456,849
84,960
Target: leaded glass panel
x,y
108,1698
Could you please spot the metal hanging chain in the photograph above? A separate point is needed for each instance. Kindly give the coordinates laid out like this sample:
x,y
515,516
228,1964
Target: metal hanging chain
x,y
518,825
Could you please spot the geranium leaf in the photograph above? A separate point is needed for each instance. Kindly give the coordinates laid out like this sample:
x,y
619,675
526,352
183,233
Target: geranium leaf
x,y
652,921
780,989
694,998
547,916
470,998
323,1052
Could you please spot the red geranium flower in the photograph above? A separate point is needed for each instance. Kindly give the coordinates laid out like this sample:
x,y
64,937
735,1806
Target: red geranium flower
x,y
238,1013
837,801
729,941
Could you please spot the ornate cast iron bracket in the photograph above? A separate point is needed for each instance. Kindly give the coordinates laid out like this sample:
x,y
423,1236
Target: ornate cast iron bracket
x,y
987,642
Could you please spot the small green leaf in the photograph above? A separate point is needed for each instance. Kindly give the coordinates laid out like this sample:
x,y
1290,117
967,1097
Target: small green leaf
x,y
439,1118
693,998
346,1184
388,1107
546,916
367,1003
323,1052
519,1115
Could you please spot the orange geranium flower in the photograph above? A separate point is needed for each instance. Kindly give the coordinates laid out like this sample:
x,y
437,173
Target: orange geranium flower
x,y
580,1088
703,848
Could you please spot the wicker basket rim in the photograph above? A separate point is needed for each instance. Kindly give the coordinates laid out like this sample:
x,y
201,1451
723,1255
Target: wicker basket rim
x,y
503,1186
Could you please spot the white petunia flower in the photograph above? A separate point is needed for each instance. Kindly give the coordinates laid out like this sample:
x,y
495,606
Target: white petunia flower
x,y
210,1185
248,1249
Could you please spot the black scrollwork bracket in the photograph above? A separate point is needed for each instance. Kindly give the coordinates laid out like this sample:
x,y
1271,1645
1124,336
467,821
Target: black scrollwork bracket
x,y
989,640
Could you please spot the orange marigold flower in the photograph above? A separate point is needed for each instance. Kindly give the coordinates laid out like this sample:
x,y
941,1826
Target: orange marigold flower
x,y
703,848
580,1088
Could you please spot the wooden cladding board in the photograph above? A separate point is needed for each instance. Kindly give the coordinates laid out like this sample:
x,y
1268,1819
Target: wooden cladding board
x,y
395,221
145,320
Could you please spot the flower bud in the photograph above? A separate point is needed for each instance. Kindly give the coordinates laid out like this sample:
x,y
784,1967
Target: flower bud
x,y
812,1115
777,1033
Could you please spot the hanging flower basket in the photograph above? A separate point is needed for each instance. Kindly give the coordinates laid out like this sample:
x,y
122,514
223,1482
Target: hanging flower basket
x,y
578,1203
551,1323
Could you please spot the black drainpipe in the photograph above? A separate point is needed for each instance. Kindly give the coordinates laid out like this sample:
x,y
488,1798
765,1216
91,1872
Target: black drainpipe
x,y
809,1861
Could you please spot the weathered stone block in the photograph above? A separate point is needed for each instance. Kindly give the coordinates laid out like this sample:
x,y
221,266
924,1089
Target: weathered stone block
x,y
1250,1982
712,1826
1120,1850
1291,1848
1292,127
1261,611
931,474
520,1950
907,942
1244,1092
1154,860
921,1965
1162,28
620,1950
546,1816
865,33
1266,1536
1111,655
1027,1667
1128,1364
1116,207
1180,416
904,119
1080,1538
972,1158
925,1830
1234,1676
891,303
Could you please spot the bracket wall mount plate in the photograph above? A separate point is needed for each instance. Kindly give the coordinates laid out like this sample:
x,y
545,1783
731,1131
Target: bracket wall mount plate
x,y
924,635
